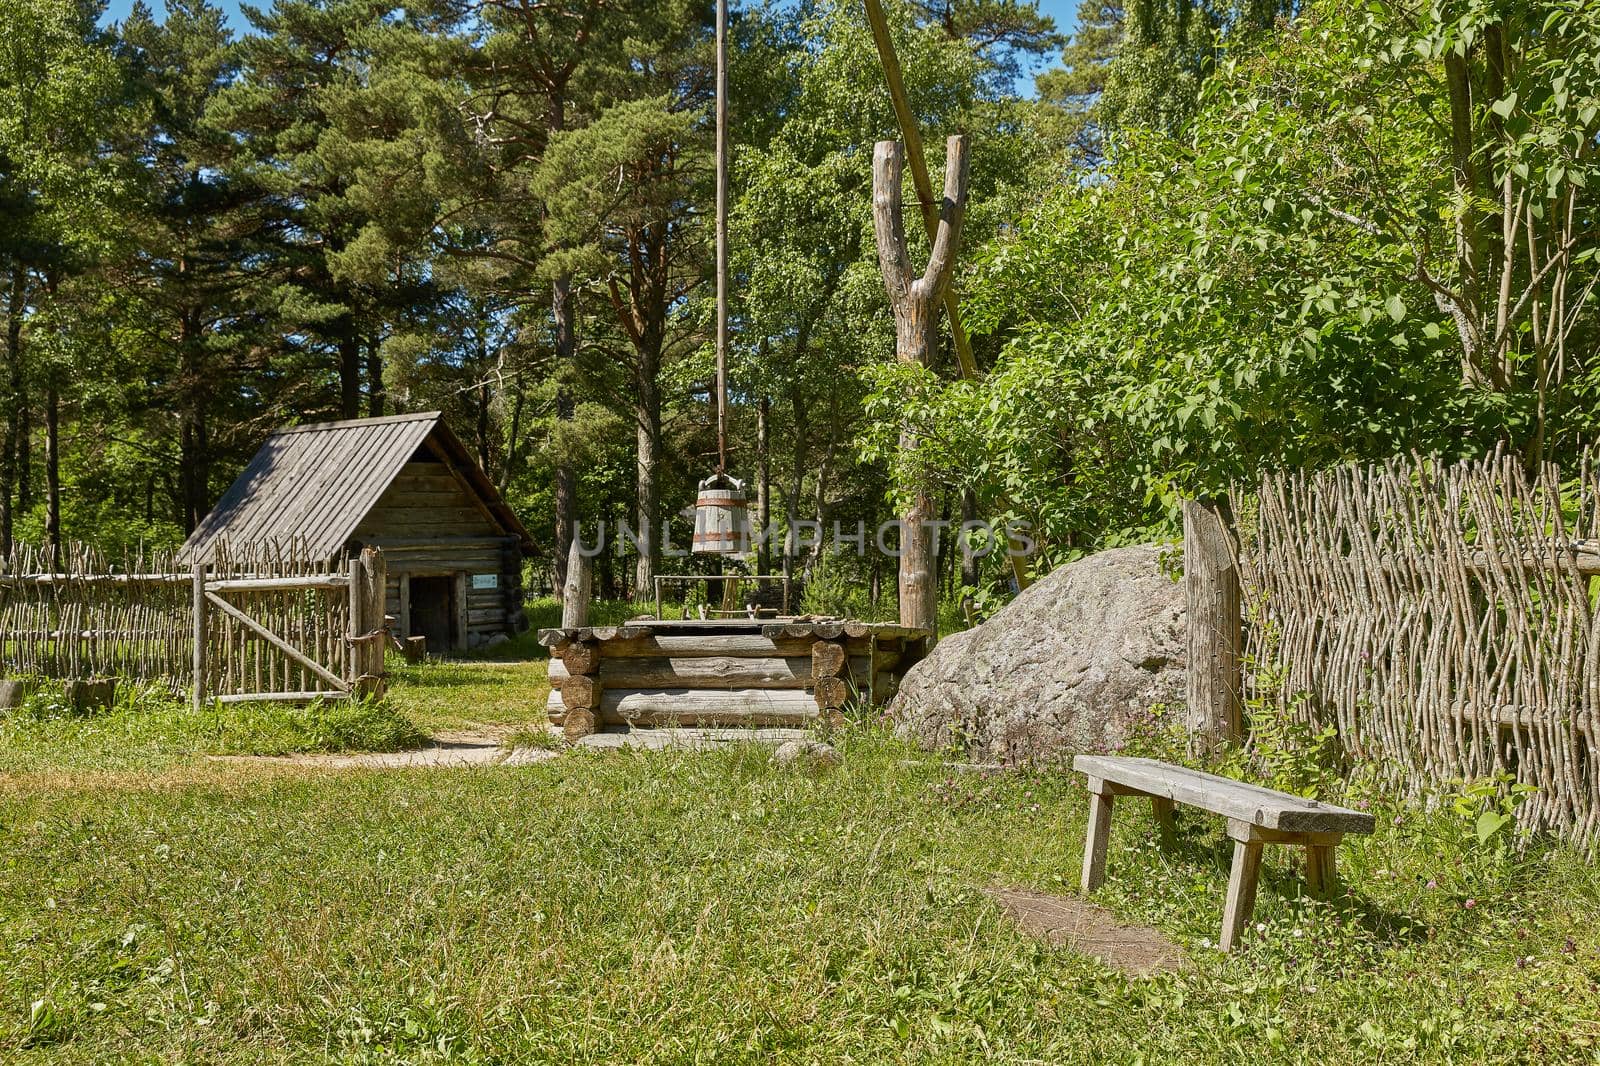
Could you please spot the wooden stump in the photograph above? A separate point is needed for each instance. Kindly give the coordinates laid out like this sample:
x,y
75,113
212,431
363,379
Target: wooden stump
x,y
415,649
14,692
90,695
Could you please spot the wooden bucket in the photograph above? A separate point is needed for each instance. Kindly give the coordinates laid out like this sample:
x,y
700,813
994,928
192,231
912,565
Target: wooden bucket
x,y
721,517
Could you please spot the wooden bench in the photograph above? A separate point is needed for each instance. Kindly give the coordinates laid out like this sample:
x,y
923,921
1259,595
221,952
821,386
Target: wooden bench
x,y
1256,816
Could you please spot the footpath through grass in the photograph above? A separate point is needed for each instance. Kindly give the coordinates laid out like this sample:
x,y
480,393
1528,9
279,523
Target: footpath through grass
x,y
714,907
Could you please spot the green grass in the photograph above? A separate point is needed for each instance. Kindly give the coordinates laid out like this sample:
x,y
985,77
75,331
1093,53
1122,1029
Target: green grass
x,y
150,730
713,907
469,694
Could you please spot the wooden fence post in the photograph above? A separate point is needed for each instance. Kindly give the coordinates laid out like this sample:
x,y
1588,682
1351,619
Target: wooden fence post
x,y
202,627
575,593
368,577
1211,591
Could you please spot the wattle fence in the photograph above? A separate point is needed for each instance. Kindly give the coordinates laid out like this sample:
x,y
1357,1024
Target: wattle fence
x,y
1440,616
272,623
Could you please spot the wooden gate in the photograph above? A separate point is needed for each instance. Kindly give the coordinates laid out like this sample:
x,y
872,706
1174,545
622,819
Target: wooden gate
x,y
258,623
316,633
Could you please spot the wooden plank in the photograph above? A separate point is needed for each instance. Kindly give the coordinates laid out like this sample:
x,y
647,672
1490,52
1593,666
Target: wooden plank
x,y
268,584
1225,796
1241,901
276,641
706,706
1166,821
281,697
731,644
707,672
463,618
410,546
1097,838
1321,870
412,481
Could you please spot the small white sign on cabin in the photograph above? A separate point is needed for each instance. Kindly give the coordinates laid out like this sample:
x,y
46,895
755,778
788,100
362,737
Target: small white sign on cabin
x,y
485,581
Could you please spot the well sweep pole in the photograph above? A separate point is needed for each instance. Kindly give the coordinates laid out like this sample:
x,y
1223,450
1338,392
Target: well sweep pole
x,y
722,236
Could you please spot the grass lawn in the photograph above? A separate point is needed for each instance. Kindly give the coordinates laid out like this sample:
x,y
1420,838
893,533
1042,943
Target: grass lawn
x,y
158,906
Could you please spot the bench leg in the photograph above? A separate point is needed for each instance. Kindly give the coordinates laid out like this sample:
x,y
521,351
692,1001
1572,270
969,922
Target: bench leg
x,y
1098,836
1241,891
1166,821
1322,876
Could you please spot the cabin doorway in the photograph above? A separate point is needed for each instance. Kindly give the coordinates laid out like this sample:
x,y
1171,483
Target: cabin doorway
x,y
433,612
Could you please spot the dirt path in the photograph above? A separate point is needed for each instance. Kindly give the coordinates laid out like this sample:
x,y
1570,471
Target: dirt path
x,y
1064,921
482,747
485,746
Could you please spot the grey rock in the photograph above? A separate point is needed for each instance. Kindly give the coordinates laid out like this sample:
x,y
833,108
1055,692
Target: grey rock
x,y
1066,667
806,752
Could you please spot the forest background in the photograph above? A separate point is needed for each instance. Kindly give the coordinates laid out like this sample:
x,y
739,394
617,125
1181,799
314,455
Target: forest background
x,y
1215,238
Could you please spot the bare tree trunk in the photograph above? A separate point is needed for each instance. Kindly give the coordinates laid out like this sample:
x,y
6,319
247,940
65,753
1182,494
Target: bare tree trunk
x,y
350,377
377,395
195,438
52,467
514,447
483,427
14,401
915,303
566,487
763,485
24,458
796,484
647,412
969,558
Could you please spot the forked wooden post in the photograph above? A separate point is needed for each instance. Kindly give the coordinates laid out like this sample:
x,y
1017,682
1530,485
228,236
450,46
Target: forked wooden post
x,y
1211,591
201,634
915,300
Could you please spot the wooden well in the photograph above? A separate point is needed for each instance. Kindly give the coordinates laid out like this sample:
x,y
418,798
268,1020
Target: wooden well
x,y
722,672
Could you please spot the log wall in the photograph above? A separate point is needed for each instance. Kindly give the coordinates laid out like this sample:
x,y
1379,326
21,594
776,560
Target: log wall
x,y
734,674
430,525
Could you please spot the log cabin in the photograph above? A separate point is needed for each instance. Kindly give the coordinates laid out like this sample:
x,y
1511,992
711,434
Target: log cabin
x,y
404,484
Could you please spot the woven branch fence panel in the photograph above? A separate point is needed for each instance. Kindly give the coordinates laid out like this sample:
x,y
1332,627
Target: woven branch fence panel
x,y
84,614
1441,617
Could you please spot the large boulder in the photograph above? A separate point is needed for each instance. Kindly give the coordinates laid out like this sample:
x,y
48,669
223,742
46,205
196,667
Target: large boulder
x,y
1064,668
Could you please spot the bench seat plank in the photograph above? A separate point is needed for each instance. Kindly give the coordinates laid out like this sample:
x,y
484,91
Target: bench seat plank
x,y
1264,807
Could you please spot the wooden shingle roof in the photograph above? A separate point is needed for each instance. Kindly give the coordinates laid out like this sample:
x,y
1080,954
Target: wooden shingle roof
x,y
314,484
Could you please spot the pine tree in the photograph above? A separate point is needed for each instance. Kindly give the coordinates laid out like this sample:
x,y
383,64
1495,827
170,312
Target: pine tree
x,y
301,68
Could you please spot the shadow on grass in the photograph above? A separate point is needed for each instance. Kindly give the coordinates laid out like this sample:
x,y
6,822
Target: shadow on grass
x,y
1197,844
